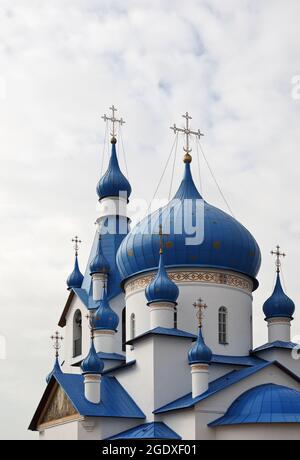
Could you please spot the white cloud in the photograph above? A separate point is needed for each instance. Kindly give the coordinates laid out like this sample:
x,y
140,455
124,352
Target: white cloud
x,y
64,62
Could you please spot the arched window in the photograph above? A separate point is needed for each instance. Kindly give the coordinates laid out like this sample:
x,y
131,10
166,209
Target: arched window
x,y
124,329
77,334
132,327
175,317
223,325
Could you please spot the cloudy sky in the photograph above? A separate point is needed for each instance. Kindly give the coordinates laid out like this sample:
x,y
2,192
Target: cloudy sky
x,y
234,65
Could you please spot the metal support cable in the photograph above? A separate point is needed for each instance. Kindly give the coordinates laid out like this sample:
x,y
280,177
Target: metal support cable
x,y
104,147
123,149
215,180
173,168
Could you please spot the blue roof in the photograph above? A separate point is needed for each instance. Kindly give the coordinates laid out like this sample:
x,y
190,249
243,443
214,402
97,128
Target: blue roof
x,y
227,243
152,430
99,264
279,304
200,352
75,279
276,344
105,317
164,331
56,369
161,288
236,360
111,356
92,364
268,403
220,384
115,401
113,182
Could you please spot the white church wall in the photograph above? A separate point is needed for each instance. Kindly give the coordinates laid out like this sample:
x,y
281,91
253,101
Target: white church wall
x,y
260,432
283,356
69,358
218,370
63,432
238,302
182,422
97,428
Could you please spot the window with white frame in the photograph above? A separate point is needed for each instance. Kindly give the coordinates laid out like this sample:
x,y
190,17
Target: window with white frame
x,y
223,325
132,327
77,334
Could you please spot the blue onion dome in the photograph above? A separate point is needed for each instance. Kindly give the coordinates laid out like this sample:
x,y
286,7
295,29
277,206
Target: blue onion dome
x,y
161,288
113,182
267,403
92,364
279,305
76,277
200,353
99,264
227,244
105,318
56,370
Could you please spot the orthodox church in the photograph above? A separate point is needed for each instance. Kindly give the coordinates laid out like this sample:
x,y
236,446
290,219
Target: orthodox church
x,y
158,332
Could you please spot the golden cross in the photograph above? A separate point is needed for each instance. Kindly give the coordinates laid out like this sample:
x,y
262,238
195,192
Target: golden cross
x,y
187,132
77,241
161,238
114,120
200,307
278,254
57,339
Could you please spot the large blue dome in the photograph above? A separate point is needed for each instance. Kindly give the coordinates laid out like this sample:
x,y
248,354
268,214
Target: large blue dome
x,y
268,403
227,244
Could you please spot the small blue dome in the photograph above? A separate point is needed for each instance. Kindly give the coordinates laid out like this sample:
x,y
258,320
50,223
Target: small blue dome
x,y
92,364
56,370
76,277
200,353
227,244
279,304
105,317
99,264
268,403
113,182
161,288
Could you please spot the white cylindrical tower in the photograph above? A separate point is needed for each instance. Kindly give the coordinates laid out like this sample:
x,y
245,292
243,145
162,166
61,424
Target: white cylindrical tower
x,y
161,294
199,357
105,323
279,308
99,268
91,367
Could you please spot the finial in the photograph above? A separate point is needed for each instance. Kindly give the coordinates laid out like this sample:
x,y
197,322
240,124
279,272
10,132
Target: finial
x,y
200,307
278,254
187,132
161,238
76,242
57,339
114,120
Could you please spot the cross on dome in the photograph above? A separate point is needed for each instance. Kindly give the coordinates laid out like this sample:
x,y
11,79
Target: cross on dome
x,y
76,242
57,339
200,306
161,235
187,132
278,255
113,120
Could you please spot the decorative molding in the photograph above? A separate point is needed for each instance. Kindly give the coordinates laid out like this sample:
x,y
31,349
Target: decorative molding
x,y
199,367
194,276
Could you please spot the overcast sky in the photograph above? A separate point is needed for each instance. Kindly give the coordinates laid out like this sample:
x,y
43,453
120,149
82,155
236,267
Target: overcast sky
x,y
62,63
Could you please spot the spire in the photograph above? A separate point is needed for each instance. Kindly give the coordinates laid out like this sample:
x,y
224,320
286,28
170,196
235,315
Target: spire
x,y
56,338
113,183
200,353
75,278
99,264
105,317
92,364
187,189
279,305
187,132
161,288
